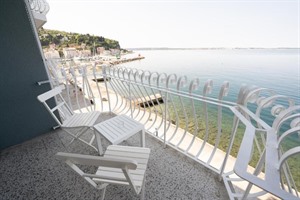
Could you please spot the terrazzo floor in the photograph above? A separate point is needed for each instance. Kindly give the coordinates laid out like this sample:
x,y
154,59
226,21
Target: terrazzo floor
x,y
31,171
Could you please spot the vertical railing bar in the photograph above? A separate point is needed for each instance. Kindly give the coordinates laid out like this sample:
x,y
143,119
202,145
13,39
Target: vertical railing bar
x,y
83,89
97,84
128,99
170,79
154,104
121,89
186,122
177,119
206,129
161,109
130,104
196,128
168,115
76,87
165,119
206,90
125,87
111,82
193,85
145,103
139,96
118,91
233,133
104,74
91,94
119,103
154,107
218,138
142,96
136,106
156,79
132,95
158,103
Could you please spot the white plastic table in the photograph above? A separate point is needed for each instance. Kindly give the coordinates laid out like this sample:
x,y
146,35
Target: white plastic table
x,y
118,129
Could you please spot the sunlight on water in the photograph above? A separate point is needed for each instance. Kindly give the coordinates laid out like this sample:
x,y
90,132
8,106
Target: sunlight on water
x,y
277,69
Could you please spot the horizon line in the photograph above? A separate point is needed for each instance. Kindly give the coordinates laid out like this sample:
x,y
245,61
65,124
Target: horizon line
x,y
212,48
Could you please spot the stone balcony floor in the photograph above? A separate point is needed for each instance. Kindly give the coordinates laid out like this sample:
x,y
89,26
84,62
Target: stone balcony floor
x,y
31,171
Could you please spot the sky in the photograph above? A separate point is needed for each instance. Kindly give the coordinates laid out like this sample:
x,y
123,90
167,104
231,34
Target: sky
x,y
182,24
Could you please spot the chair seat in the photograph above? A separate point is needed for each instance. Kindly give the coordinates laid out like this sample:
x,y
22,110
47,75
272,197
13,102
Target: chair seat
x,y
138,154
81,119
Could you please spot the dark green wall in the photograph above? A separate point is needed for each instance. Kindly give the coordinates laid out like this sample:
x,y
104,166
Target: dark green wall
x,y
21,66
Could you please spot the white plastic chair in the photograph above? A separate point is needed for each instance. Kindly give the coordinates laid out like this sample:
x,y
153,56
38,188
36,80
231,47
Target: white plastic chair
x,y
122,165
68,119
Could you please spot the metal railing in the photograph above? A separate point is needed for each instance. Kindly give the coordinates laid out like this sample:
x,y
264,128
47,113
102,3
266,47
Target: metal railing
x,y
197,121
39,6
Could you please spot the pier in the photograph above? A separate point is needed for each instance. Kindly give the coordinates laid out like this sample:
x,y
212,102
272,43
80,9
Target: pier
x,y
149,101
120,61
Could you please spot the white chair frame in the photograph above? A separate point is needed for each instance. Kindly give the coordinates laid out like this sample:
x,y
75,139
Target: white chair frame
x,y
68,119
121,165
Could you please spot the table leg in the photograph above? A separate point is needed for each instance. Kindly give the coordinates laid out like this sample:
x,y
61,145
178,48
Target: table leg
x,y
99,144
143,138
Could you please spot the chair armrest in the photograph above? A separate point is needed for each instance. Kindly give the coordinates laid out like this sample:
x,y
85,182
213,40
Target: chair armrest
x,y
97,160
51,93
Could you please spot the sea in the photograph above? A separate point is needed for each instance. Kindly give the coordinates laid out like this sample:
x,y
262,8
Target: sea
x,y
276,69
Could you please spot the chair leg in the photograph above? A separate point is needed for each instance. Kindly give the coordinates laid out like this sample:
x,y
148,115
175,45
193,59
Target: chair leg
x,y
143,189
77,137
98,142
92,140
103,193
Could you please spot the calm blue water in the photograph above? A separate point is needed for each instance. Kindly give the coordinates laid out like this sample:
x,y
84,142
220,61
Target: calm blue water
x,y
277,69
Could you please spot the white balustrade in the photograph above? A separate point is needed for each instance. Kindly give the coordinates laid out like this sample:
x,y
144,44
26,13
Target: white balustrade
x,y
199,123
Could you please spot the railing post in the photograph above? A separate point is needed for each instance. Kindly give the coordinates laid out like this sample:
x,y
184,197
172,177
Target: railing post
x,y
97,84
105,77
165,123
130,105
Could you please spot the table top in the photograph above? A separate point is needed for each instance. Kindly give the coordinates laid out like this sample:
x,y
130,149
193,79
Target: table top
x,y
119,128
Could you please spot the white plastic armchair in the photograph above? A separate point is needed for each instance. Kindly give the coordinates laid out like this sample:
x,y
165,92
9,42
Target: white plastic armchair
x,y
68,119
122,165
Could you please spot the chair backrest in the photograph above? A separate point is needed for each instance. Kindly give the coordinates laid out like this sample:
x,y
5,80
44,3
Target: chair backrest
x,y
61,106
123,164
54,72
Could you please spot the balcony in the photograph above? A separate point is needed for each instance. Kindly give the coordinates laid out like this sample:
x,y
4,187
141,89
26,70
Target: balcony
x,y
39,9
31,171
201,144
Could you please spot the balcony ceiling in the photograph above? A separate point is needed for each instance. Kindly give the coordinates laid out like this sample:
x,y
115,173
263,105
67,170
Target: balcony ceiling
x,y
39,19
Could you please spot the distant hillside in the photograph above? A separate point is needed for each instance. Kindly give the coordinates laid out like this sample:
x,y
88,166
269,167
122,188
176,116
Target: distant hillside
x,y
64,39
